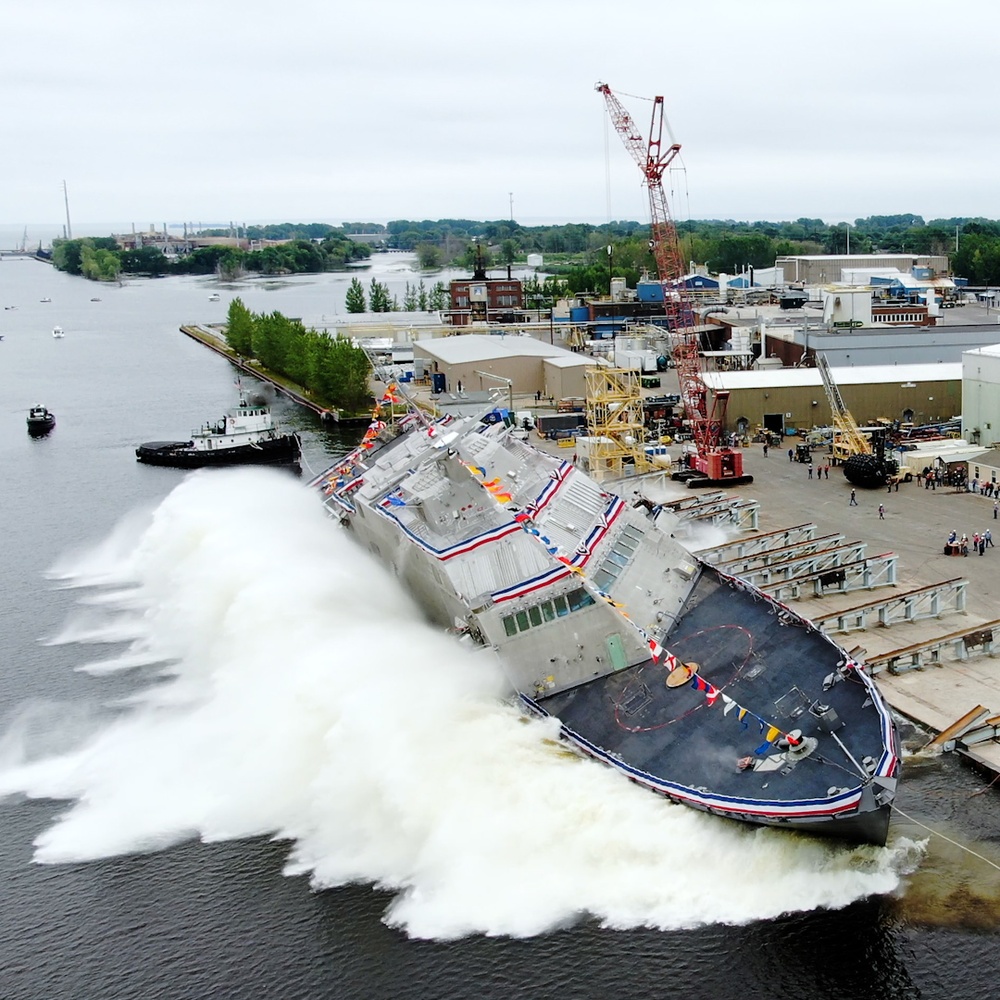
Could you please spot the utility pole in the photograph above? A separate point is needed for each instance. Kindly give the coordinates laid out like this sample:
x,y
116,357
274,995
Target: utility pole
x,y
511,195
69,227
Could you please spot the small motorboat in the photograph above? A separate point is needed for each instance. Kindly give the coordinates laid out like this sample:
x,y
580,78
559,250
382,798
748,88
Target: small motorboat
x,y
214,297
40,421
57,332
95,299
46,299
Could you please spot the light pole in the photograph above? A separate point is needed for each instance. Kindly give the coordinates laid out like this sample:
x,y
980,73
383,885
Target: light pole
x,y
611,251
848,238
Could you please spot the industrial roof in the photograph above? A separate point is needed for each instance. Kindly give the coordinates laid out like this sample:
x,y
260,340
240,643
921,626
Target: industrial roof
x,y
572,360
768,378
974,453
991,351
472,347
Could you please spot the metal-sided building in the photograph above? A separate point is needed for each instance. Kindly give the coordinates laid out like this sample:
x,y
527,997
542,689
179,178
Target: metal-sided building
x,y
786,400
981,395
525,365
825,269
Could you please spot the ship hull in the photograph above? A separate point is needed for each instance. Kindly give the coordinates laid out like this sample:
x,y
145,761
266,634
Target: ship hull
x,y
752,651
39,428
284,450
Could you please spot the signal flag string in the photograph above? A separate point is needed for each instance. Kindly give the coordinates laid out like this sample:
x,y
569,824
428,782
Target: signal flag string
x,y
504,498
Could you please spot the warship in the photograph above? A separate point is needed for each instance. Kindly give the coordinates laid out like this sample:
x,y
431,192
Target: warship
x,y
686,680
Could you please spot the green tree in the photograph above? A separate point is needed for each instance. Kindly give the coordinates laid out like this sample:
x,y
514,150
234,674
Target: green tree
x,y
378,296
428,256
144,260
410,298
341,372
355,299
230,266
239,328
99,265
271,337
437,300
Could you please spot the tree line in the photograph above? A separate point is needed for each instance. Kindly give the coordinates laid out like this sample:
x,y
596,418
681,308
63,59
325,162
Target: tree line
x,y
331,369
577,252
103,259
380,299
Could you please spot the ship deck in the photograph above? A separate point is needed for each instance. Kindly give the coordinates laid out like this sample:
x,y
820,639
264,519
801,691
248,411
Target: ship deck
x,y
773,669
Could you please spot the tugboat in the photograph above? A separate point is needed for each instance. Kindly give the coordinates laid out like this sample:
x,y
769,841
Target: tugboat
x,y
57,332
684,679
40,421
246,435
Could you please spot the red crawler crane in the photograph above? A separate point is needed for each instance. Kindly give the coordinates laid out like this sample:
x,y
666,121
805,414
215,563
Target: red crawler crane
x,y
712,463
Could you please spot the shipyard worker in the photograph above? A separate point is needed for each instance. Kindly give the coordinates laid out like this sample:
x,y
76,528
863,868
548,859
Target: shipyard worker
x,y
791,454
854,499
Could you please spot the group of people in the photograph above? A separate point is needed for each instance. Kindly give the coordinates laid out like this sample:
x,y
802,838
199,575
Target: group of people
x,y
986,488
980,542
822,471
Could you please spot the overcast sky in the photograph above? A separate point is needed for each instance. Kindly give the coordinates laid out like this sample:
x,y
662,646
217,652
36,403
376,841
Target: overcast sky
x,y
208,111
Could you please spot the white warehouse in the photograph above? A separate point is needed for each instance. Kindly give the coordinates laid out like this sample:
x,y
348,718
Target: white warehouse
x,y
981,395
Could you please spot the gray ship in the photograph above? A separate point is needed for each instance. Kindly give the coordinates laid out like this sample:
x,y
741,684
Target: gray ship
x,y
690,682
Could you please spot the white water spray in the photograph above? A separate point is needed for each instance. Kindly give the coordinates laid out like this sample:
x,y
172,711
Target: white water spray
x,y
303,697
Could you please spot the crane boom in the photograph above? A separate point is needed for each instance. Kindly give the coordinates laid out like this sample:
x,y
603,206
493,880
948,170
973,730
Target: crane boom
x,y
653,156
845,426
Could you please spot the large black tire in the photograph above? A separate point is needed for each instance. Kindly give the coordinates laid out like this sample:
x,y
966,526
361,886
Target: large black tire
x,y
865,471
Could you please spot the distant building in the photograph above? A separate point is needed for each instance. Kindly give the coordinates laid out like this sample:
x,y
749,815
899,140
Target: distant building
x,y
473,362
787,400
480,299
981,396
825,269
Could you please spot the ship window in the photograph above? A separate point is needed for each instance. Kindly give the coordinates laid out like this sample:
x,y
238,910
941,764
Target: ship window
x,y
603,579
562,608
578,599
631,531
618,558
535,615
522,621
548,611
509,625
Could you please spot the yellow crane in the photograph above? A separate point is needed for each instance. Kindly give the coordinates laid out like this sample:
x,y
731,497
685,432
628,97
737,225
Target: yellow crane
x,y
861,454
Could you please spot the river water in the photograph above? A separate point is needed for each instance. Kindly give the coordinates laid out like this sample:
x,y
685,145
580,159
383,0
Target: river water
x,y
235,762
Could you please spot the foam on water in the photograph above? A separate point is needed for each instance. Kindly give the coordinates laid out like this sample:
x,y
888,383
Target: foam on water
x,y
302,696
